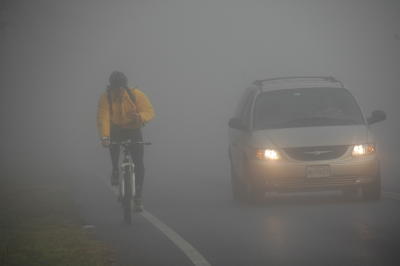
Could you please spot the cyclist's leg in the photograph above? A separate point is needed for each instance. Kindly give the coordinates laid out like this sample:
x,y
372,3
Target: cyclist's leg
x,y
137,157
114,153
137,152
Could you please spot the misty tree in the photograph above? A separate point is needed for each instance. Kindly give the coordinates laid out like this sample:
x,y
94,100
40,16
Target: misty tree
x,y
4,7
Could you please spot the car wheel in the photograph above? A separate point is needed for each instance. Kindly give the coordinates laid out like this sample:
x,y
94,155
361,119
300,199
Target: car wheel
x,y
372,191
236,186
349,193
253,193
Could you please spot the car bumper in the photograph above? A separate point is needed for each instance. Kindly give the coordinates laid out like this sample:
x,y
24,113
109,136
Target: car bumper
x,y
292,175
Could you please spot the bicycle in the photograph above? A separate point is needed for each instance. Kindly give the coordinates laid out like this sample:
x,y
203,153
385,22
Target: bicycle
x,y
126,189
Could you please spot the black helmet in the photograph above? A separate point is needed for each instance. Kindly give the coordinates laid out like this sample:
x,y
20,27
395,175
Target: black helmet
x,y
118,80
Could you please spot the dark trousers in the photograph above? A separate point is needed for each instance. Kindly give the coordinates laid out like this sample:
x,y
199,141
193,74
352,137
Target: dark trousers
x,y
119,134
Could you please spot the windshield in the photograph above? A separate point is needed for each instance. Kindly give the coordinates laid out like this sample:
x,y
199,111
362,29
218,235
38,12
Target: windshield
x,y
306,107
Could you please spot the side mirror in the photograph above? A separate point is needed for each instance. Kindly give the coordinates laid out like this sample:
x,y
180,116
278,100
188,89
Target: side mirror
x,y
376,116
235,123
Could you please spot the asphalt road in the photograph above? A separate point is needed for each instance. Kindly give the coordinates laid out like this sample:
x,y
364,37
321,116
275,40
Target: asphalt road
x,y
296,229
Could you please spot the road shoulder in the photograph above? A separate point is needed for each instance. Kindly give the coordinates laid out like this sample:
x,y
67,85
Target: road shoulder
x,y
39,225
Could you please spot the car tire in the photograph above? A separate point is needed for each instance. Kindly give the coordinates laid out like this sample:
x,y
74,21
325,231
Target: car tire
x,y
349,193
236,186
252,193
372,192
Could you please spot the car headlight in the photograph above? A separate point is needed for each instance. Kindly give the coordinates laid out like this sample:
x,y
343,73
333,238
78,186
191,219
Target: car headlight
x,y
365,149
267,154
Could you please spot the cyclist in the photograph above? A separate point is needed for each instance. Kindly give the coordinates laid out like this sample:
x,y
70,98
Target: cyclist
x,y
122,111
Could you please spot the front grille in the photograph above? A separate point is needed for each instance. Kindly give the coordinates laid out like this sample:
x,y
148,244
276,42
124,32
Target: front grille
x,y
316,153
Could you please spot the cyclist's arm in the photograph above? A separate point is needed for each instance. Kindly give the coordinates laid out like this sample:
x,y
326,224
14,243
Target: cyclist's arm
x,y
103,117
144,107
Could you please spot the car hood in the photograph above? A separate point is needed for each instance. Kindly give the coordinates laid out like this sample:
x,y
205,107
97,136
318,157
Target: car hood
x,y
311,136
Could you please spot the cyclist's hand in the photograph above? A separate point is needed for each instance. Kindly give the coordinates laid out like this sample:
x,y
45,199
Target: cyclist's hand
x,y
135,117
105,141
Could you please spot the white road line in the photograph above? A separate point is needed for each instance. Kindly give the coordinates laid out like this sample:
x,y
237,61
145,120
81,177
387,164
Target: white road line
x,y
391,195
195,256
181,243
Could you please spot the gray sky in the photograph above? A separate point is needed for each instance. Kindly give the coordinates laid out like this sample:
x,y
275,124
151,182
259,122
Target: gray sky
x,y
192,58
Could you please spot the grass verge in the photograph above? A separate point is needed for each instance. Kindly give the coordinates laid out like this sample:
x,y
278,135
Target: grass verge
x,y
40,226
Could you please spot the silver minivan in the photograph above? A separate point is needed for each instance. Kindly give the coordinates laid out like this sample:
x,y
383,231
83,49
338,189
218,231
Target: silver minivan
x,y
295,134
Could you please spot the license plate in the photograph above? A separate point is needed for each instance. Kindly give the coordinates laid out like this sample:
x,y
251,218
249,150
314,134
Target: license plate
x,y
318,171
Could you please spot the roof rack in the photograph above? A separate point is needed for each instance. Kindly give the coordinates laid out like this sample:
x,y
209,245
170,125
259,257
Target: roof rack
x,y
260,82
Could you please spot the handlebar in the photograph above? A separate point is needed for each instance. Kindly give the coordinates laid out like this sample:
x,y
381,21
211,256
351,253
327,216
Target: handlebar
x,y
129,142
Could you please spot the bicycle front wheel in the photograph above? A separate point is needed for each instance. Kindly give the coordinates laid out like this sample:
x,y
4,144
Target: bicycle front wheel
x,y
127,196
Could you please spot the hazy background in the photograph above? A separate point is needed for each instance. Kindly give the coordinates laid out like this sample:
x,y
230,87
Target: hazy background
x,y
193,59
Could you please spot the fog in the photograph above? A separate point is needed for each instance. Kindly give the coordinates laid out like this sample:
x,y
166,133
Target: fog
x,y
193,59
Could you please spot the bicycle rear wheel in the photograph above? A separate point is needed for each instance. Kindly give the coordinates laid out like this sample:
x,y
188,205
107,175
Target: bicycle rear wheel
x,y
127,196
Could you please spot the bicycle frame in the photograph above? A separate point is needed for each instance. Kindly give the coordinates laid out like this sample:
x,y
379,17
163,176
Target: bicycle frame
x,y
127,168
127,180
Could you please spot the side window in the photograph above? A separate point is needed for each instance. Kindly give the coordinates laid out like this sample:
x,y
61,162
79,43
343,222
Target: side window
x,y
241,103
246,113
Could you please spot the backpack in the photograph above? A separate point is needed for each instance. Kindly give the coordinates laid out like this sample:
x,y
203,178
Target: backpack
x,y
131,96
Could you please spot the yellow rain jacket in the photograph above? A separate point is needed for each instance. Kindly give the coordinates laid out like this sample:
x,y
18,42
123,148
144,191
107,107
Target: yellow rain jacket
x,y
122,109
